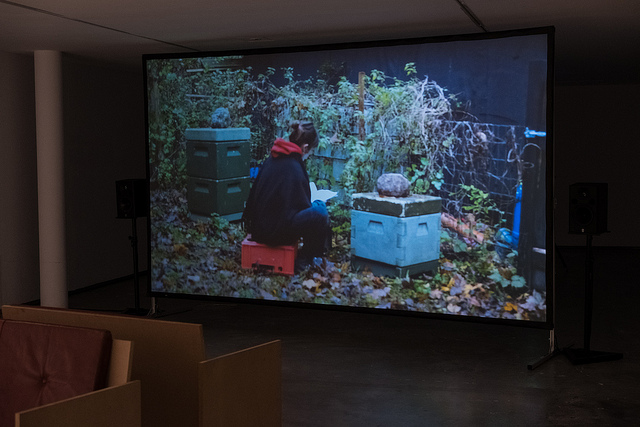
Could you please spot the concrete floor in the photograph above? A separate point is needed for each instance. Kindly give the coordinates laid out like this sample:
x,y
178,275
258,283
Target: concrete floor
x,y
354,369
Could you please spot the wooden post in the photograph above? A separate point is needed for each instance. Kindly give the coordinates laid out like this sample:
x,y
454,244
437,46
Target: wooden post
x,y
361,129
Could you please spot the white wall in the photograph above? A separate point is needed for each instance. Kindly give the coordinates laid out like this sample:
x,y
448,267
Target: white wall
x,y
104,142
19,266
597,140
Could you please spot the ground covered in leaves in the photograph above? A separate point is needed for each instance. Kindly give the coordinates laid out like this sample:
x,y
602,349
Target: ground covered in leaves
x,y
204,258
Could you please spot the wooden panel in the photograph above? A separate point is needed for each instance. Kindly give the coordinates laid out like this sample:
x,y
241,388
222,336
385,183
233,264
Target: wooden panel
x,y
165,360
243,388
113,406
121,363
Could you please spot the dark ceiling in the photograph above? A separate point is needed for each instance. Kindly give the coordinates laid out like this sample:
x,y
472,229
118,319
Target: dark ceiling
x,y
597,41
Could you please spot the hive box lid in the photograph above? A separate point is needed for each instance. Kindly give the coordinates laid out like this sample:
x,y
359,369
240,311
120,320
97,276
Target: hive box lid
x,y
414,205
210,134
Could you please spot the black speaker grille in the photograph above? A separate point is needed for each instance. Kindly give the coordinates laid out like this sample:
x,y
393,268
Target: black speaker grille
x,y
588,208
131,198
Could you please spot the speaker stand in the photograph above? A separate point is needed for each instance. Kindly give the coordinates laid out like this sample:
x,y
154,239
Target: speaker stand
x,y
580,356
136,311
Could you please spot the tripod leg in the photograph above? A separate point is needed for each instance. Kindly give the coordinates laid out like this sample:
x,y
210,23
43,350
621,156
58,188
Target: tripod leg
x,y
588,293
136,278
137,311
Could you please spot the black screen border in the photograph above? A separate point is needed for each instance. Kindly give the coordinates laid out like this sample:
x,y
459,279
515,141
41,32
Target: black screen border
x,y
549,31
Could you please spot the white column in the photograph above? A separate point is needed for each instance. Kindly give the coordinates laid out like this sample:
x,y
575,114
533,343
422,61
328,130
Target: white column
x,y
51,206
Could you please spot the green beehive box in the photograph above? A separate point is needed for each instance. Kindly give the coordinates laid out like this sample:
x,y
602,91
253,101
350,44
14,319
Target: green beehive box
x,y
217,135
218,160
226,197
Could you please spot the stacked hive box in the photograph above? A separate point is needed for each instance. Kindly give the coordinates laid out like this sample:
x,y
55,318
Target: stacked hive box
x,y
395,236
217,171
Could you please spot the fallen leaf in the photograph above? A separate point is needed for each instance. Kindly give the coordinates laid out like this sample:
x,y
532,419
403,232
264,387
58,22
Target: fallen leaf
x,y
453,308
436,294
510,307
309,283
448,266
518,281
380,293
180,249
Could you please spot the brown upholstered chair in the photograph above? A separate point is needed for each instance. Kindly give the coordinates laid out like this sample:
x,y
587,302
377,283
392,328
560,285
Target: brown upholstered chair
x,y
180,386
48,366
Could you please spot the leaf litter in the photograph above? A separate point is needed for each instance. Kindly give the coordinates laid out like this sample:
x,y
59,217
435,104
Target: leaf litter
x,y
204,258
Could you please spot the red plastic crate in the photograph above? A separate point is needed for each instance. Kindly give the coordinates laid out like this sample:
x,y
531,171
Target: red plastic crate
x,y
279,259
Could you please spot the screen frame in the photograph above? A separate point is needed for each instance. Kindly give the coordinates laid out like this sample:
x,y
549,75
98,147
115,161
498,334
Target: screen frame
x,y
549,31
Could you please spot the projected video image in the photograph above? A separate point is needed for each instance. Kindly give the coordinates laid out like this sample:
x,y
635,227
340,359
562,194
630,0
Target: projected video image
x,y
407,177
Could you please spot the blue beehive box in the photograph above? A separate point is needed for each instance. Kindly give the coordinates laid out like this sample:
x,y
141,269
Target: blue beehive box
x,y
393,240
404,238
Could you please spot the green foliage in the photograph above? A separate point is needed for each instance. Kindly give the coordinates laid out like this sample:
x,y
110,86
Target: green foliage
x,y
359,174
410,68
401,117
390,124
423,178
481,204
183,93
320,171
340,216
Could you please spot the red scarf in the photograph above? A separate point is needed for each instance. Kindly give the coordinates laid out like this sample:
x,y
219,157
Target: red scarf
x,y
283,147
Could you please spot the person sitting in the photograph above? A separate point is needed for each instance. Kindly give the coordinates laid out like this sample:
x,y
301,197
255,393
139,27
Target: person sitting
x,y
279,210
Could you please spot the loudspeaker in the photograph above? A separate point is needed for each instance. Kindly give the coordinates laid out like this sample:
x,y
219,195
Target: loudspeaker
x,y
131,198
588,208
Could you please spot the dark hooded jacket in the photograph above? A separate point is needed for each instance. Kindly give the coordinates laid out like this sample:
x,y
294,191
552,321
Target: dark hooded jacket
x,y
280,191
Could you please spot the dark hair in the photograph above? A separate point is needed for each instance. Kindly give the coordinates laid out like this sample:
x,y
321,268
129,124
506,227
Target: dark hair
x,y
304,133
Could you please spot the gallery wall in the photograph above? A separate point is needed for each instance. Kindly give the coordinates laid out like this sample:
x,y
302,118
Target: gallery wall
x,y
19,270
104,142
597,141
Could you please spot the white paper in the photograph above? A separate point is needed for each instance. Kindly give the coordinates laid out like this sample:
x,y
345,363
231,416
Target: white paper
x,y
323,195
